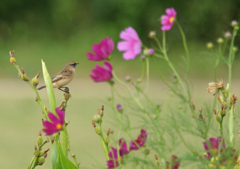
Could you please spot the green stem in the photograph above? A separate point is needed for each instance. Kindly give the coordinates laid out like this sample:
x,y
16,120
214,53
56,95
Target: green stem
x,y
143,72
231,116
30,165
147,73
35,90
104,145
74,157
185,47
220,128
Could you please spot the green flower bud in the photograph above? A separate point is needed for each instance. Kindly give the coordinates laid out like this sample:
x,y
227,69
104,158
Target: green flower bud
x,y
146,151
39,141
107,140
41,153
41,160
97,130
218,117
236,27
209,45
24,77
35,81
223,112
12,60
97,118
36,152
220,40
220,98
195,153
234,49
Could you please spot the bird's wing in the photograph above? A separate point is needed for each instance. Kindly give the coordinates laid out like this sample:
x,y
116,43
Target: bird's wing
x,y
62,75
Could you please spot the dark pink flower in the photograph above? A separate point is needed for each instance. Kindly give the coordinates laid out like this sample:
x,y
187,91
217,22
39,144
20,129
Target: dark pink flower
x,y
57,122
102,51
174,163
214,146
113,154
102,73
168,20
140,140
113,162
123,147
131,44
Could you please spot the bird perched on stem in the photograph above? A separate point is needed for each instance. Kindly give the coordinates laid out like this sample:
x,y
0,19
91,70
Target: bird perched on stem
x,y
63,77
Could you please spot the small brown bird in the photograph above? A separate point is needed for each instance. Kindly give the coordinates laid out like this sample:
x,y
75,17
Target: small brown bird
x,y
63,77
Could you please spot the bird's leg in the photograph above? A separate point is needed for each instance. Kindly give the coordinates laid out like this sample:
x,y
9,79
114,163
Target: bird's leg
x,y
66,89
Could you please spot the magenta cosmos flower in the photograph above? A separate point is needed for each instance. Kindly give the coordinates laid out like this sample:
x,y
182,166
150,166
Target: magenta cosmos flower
x,y
101,74
131,44
168,20
113,154
174,163
102,51
214,146
57,122
140,140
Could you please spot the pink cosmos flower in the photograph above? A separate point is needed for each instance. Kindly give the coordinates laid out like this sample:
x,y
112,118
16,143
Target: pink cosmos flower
x,y
57,122
131,44
102,73
113,162
168,20
140,140
175,163
214,146
102,51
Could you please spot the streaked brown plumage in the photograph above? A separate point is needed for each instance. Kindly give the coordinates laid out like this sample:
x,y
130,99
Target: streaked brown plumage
x,y
64,76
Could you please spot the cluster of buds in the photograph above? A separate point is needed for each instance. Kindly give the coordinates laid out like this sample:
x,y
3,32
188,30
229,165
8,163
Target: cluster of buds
x,y
39,154
98,119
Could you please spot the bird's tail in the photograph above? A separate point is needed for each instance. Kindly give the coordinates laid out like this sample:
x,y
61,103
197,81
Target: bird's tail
x,y
41,87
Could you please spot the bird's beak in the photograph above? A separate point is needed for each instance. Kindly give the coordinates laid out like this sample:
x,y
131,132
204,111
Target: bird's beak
x,y
76,64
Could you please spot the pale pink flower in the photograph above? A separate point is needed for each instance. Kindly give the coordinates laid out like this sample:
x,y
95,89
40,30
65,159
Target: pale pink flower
x,y
131,44
168,20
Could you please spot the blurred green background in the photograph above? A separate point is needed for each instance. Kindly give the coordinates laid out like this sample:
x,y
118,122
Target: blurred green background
x,y
58,31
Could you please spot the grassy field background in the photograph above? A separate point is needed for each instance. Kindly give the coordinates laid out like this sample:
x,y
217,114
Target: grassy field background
x,y
21,118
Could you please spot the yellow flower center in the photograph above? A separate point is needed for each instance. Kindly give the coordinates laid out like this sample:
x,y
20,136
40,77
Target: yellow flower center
x,y
215,150
59,126
120,159
171,19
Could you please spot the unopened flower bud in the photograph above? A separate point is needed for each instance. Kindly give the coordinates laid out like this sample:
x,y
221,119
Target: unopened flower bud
x,y
223,112
152,34
97,130
146,151
24,77
218,117
128,78
234,49
236,27
220,40
220,98
97,118
12,60
67,96
119,108
234,23
228,35
195,153
35,81
143,57
107,140
209,45
36,152
150,51
154,117
39,141
41,153
102,111
41,160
